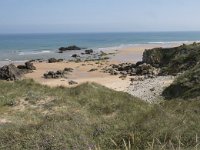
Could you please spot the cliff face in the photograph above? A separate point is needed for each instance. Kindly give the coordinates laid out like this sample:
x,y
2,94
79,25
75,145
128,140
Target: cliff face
x,y
158,57
173,60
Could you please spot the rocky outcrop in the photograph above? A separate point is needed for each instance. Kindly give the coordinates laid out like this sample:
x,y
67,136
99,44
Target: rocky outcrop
x,y
173,60
69,48
130,69
54,75
28,66
10,73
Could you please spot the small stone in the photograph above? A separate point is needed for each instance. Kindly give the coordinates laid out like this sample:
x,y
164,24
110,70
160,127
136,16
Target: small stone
x,y
72,82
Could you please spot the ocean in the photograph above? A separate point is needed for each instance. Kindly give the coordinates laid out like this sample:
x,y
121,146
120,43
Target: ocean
x,y
19,47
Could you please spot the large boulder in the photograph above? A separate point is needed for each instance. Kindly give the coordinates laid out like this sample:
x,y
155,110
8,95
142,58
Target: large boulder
x,y
10,73
28,66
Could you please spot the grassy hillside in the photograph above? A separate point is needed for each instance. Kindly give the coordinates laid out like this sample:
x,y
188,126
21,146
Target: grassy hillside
x,y
185,86
90,116
173,60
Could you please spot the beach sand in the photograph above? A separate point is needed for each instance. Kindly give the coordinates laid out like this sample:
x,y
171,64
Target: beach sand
x,y
82,74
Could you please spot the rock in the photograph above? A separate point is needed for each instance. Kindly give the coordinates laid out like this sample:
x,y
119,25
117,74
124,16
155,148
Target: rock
x,y
54,75
68,70
69,48
30,66
75,55
138,78
152,89
10,72
115,66
52,60
139,63
89,51
123,77
124,73
72,82
36,60
145,69
92,70
130,69
27,68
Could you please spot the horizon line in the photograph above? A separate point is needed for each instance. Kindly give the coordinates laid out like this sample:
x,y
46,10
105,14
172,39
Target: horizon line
x,y
170,31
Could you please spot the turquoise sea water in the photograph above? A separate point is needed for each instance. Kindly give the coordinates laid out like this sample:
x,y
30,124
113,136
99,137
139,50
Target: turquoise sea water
x,y
32,46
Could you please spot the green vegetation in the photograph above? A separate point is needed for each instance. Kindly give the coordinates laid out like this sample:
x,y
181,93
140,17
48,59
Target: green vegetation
x,y
173,60
186,85
91,116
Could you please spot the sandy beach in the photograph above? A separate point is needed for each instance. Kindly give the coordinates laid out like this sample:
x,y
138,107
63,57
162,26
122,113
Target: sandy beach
x,y
82,73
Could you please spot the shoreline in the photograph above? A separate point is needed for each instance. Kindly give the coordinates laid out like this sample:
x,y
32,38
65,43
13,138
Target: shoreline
x,y
67,55
93,71
81,74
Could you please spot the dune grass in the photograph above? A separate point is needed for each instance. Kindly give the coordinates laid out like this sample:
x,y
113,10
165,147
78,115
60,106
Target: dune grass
x,y
91,116
186,86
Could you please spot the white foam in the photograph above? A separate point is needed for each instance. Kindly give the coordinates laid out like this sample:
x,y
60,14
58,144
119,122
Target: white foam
x,y
173,42
166,43
122,46
33,52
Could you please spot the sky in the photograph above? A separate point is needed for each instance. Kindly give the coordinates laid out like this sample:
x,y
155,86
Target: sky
x,y
74,16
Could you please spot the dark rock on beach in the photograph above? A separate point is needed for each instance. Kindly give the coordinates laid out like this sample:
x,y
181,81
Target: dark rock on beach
x,y
89,51
75,55
36,60
69,48
54,75
72,82
28,66
68,70
54,60
93,69
130,69
10,73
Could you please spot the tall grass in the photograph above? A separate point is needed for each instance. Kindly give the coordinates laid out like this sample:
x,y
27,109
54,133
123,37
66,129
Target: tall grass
x,y
93,117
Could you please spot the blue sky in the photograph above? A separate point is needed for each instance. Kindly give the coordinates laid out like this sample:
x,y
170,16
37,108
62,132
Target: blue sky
x,y
36,16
